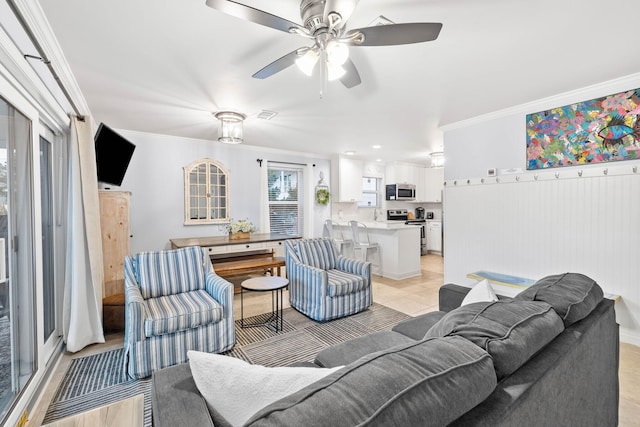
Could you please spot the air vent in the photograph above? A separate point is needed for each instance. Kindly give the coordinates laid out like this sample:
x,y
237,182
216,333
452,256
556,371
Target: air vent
x,y
267,115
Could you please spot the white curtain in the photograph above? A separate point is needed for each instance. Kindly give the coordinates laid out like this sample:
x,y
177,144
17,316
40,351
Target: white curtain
x,y
82,306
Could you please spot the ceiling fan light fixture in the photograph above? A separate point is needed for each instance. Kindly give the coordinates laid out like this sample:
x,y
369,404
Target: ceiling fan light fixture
x,y
337,52
307,62
231,130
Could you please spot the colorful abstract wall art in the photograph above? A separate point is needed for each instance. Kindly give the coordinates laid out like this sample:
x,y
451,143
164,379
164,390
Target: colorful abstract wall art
x,y
600,130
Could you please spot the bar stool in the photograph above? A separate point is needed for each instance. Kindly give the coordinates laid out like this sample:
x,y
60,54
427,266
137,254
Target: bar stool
x,y
333,231
362,243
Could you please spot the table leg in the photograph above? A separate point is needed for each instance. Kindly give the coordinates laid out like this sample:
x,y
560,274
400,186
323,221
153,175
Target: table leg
x,y
277,312
241,308
281,307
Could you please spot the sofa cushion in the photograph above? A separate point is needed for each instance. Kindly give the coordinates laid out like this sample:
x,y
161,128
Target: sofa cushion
x,y
417,327
176,400
318,253
353,349
426,383
235,389
170,272
343,283
178,312
510,331
572,295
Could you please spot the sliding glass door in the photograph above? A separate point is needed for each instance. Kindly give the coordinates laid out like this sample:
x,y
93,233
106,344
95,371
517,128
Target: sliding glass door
x,y
17,277
48,239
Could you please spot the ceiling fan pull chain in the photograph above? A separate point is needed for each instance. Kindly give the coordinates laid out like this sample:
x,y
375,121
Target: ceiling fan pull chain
x,y
323,73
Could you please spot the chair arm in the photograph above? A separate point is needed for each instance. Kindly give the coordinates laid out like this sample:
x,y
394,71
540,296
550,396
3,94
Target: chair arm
x,y
307,275
354,266
135,310
221,290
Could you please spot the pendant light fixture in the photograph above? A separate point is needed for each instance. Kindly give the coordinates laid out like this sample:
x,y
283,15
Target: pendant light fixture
x,y
231,131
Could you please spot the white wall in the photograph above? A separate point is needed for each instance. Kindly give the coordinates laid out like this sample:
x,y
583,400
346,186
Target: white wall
x,y
156,180
534,227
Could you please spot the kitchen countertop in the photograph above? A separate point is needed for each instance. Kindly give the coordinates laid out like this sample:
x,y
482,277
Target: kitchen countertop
x,y
381,225
398,254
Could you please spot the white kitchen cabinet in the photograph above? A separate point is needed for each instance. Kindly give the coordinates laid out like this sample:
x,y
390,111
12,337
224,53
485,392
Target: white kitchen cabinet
x,y
421,187
346,179
434,236
400,173
433,184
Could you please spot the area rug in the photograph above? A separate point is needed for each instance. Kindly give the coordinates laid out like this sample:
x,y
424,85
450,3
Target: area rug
x,y
98,380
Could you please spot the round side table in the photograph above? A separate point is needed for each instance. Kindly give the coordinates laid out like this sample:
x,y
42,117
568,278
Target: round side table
x,y
273,284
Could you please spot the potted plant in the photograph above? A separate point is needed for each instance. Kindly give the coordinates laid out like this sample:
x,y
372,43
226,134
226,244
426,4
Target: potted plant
x,y
240,229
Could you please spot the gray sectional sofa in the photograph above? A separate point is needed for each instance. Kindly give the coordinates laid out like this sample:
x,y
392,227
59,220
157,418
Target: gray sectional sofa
x,y
547,357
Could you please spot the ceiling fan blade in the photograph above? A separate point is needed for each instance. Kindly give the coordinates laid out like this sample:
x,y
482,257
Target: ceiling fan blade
x,y
342,7
394,34
280,64
257,16
351,78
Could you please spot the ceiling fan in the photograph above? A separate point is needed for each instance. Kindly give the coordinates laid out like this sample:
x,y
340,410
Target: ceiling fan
x,y
324,21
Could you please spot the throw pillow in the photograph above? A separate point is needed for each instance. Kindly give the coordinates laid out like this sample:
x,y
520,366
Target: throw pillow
x,y
482,292
510,331
235,389
572,295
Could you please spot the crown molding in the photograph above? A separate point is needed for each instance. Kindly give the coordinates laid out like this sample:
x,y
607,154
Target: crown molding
x,y
589,92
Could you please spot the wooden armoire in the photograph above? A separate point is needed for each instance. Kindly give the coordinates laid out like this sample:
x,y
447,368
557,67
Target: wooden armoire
x,y
114,223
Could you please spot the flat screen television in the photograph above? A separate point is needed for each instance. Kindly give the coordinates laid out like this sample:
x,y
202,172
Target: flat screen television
x,y
113,154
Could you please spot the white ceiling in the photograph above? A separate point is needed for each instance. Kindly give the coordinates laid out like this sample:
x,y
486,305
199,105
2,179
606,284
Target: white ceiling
x,y
163,66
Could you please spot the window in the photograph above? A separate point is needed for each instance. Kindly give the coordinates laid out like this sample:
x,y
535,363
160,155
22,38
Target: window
x,y
370,193
285,186
206,193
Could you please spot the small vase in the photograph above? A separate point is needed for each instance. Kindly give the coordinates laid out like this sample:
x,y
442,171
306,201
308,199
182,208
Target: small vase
x,y
239,235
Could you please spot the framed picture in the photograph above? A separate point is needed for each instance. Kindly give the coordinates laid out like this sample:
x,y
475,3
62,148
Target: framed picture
x,y
600,130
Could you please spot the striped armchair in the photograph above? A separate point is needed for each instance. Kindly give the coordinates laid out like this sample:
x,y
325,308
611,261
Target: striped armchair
x,y
324,285
175,302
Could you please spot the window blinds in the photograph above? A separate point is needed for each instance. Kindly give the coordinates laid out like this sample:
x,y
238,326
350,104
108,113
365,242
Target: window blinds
x,y
285,192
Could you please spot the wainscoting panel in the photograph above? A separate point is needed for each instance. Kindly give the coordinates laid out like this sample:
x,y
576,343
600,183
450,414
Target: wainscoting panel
x,y
532,225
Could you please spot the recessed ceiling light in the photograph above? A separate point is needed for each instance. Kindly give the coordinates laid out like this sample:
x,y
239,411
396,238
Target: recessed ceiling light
x,y
378,160
375,147
350,153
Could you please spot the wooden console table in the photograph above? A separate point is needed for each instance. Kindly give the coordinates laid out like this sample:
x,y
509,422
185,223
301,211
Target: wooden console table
x,y
260,253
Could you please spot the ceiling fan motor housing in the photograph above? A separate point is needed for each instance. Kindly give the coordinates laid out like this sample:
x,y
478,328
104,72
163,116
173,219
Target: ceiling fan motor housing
x,y
312,14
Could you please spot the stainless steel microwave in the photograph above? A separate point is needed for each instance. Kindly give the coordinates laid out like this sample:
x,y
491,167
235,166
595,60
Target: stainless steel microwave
x,y
401,192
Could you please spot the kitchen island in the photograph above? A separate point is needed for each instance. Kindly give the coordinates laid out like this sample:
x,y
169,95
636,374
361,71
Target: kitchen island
x,y
399,247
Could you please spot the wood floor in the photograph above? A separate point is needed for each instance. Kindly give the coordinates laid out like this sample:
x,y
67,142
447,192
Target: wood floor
x,y
411,296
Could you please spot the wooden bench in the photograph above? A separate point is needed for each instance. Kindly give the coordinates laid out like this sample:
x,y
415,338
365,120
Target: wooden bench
x,y
236,267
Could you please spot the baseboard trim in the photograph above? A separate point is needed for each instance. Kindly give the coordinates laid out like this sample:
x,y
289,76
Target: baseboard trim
x,y
629,337
400,276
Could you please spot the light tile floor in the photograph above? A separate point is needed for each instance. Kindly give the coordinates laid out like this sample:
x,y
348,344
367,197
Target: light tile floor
x,y
412,296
